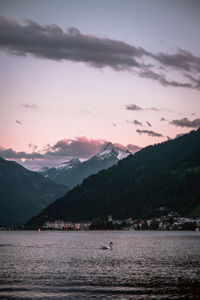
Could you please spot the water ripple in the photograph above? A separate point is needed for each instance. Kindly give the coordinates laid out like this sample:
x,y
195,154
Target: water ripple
x,y
70,265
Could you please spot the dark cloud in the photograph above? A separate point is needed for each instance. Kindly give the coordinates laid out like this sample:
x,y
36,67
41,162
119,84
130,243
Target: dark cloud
x,y
182,60
149,124
18,122
149,132
51,42
186,123
114,125
29,105
139,108
163,81
162,119
11,154
135,122
133,148
133,107
196,81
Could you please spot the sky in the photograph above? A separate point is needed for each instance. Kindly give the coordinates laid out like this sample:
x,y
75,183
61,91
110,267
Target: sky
x,y
77,74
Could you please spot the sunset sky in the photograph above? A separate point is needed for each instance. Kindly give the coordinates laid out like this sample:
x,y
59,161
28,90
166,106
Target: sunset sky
x,y
78,73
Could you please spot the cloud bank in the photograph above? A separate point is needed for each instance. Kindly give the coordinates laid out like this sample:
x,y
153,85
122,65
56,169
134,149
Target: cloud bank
x,y
79,147
12,154
51,42
163,81
63,150
184,122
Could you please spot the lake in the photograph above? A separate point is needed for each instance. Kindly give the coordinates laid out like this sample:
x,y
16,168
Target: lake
x,y
71,265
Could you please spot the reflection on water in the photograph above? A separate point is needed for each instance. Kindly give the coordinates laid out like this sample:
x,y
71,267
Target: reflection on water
x,y
71,265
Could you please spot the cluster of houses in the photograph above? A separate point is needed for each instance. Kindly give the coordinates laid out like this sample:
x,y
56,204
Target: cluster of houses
x,y
66,225
168,222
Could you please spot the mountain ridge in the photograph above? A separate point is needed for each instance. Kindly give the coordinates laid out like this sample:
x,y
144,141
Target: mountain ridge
x,y
167,174
23,193
76,171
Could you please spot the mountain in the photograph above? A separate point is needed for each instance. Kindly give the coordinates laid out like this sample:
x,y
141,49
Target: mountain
x,y
164,175
61,173
74,172
24,193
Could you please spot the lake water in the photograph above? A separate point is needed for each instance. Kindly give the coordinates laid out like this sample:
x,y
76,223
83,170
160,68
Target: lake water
x,y
70,265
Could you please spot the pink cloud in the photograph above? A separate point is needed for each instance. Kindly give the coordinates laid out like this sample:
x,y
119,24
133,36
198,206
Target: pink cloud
x,y
78,147
133,148
62,150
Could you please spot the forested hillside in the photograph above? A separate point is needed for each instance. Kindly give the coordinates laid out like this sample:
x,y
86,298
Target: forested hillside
x,y
24,193
166,174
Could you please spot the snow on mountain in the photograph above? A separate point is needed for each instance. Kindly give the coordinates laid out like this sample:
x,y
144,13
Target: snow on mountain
x,y
61,167
74,172
112,150
123,154
67,165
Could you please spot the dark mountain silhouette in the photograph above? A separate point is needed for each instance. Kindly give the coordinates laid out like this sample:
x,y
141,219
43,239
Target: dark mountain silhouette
x,y
166,174
24,193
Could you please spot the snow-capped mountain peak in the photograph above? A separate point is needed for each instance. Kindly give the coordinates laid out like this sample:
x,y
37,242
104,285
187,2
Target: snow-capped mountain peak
x,y
73,172
112,150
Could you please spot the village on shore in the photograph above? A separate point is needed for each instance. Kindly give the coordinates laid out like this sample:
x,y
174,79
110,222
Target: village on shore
x,y
171,221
